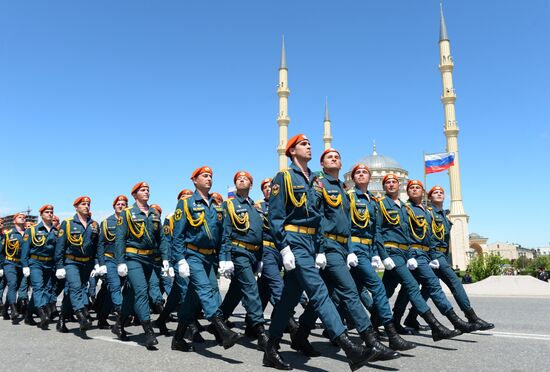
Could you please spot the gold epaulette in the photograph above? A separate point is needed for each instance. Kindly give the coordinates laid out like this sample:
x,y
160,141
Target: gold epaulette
x,y
350,191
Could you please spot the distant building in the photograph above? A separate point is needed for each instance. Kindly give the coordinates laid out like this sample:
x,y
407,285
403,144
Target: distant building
x,y
511,251
8,220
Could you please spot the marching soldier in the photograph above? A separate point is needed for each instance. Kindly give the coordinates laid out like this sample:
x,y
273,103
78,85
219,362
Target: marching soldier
x,y
16,277
75,252
138,241
393,228
295,219
440,229
363,211
241,254
37,257
155,286
198,224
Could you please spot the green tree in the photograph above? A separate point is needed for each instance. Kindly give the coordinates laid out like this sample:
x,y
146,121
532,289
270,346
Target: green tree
x,y
484,265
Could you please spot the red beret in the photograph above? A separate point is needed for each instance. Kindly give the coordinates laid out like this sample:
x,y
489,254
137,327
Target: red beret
x,y
81,199
138,186
18,214
45,207
201,170
157,207
242,173
357,167
217,197
185,192
330,149
264,181
389,176
435,188
414,182
293,141
120,198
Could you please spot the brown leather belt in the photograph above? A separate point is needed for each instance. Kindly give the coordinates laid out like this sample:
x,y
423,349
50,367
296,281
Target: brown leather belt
x,y
245,245
301,229
41,258
205,251
77,259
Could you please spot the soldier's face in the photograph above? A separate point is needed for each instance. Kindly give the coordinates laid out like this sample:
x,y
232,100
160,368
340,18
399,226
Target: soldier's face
x,y
142,194
55,221
47,215
415,192
243,183
120,205
391,186
302,150
83,208
332,161
203,181
361,177
19,220
1,224
266,190
437,197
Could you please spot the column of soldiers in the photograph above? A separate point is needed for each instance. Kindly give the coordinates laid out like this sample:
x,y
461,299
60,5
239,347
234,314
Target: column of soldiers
x,y
328,239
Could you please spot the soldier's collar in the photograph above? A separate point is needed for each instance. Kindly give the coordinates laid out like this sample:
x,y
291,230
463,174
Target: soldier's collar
x,y
359,192
296,168
198,198
329,177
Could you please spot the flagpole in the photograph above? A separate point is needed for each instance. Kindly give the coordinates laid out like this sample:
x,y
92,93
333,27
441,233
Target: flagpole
x,y
425,184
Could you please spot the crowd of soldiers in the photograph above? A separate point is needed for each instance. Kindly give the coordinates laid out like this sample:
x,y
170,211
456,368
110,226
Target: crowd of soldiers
x,y
328,239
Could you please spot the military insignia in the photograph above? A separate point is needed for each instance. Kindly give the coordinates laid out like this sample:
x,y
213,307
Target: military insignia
x,y
25,237
61,232
166,230
118,222
155,226
220,216
56,233
177,214
275,189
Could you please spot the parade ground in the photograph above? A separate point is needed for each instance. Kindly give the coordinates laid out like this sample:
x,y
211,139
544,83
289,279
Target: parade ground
x,y
519,342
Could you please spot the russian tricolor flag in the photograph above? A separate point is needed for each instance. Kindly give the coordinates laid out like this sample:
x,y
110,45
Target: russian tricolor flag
x,y
231,192
434,163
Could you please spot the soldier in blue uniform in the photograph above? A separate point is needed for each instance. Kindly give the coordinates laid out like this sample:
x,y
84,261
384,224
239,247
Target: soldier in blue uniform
x,y
140,245
440,229
12,242
198,225
363,212
75,252
295,218
2,276
420,262
241,255
393,235
107,264
37,256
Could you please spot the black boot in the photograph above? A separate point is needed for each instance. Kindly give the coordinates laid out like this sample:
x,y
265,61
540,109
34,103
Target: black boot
x,y
358,355
473,318
178,342
228,337
301,343
5,314
61,326
158,308
326,335
87,314
370,340
118,327
52,306
250,331
412,322
160,323
396,342
462,326
82,320
29,320
262,337
292,326
150,339
272,358
102,322
439,331
193,334
23,305
14,315
44,320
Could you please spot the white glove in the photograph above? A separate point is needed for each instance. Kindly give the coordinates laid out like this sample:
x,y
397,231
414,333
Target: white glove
x,y
171,272
60,273
376,262
226,269
93,273
352,260
320,261
165,267
434,264
412,264
26,272
102,270
122,270
183,268
96,267
288,258
259,268
1,273
388,264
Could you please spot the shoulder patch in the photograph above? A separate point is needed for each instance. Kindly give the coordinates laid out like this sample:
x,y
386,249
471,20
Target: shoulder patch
x,y
166,230
177,214
25,237
119,221
275,189
61,232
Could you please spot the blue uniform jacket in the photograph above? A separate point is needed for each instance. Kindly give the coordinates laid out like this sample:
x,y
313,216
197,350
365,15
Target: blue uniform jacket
x,y
293,201
263,207
420,220
392,225
40,242
107,237
441,231
242,222
198,223
364,211
12,242
76,240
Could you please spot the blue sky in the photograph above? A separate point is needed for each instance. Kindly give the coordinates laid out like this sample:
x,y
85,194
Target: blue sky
x,y
97,95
